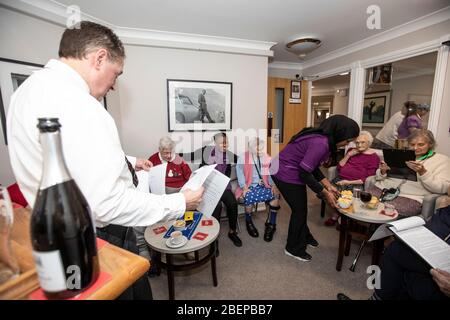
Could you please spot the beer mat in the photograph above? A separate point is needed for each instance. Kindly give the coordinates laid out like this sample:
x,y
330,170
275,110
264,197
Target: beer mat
x,y
189,228
200,236
208,222
159,230
102,279
101,243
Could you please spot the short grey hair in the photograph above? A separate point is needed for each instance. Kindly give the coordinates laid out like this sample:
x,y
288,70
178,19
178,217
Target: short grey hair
x,y
368,135
166,143
427,134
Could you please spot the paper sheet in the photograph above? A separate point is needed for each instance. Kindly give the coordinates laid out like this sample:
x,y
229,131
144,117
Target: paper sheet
x,y
157,179
434,250
198,178
214,185
143,181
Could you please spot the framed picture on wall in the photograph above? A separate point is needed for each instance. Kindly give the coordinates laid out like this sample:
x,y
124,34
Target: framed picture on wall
x,y
381,75
376,108
296,90
12,74
196,105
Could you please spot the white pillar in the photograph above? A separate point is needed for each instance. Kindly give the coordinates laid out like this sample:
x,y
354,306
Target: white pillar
x,y
356,95
309,105
438,88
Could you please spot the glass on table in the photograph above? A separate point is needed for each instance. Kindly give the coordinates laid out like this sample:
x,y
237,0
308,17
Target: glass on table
x,y
8,264
356,193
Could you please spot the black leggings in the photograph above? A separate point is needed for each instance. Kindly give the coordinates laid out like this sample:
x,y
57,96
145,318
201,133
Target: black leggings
x,y
231,204
298,234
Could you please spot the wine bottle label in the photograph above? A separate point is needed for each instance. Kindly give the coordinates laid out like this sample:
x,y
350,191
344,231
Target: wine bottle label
x,y
50,270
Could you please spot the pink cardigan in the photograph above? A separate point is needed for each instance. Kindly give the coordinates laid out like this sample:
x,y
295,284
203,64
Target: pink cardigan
x,y
248,172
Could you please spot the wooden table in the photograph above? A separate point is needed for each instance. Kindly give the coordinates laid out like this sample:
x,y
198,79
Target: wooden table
x,y
123,266
158,243
358,213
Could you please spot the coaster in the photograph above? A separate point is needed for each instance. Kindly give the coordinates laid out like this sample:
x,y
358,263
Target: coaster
x,y
200,236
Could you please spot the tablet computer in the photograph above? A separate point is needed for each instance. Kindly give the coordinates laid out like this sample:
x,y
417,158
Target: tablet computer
x,y
396,160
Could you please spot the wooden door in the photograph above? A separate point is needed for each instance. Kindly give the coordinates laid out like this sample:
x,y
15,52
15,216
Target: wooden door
x,y
291,117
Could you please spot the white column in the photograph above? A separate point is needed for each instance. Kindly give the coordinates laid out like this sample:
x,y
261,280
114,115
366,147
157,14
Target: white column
x,y
356,95
438,88
309,105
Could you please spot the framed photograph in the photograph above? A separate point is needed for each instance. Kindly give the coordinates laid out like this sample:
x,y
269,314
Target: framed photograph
x,y
195,105
381,75
376,108
12,74
296,89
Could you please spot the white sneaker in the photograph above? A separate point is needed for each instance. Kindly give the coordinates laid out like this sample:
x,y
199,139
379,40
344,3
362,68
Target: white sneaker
x,y
306,257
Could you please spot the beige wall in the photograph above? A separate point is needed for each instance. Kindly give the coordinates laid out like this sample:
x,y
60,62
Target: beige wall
x,y
139,106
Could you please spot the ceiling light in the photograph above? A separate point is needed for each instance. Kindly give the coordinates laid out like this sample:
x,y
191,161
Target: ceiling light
x,y
344,73
303,46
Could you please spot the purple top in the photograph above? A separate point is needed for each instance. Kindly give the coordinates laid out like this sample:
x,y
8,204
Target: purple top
x,y
221,159
411,122
306,152
359,166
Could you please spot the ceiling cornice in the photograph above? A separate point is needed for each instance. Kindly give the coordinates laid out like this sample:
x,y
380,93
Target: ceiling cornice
x,y
286,65
411,26
56,13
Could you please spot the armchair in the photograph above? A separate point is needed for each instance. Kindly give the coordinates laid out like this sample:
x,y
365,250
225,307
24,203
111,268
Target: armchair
x,y
428,204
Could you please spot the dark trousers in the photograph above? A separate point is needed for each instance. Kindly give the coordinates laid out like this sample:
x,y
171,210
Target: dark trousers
x,y
405,275
125,238
231,204
204,113
298,234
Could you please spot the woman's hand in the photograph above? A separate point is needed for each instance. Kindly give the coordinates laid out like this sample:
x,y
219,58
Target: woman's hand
x,y
245,190
343,183
331,188
417,166
352,152
384,168
330,198
442,279
143,164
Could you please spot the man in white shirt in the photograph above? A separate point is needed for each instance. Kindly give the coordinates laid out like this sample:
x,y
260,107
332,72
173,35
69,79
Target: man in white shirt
x,y
91,59
386,137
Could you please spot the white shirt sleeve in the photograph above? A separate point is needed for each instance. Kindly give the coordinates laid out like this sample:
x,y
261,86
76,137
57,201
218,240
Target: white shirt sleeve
x,y
108,185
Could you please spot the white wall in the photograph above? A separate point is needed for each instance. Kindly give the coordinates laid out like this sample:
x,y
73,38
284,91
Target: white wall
x,y
143,91
139,106
27,39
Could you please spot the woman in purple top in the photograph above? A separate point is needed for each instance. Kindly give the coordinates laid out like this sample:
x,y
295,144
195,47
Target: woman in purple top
x,y
412,120
297,166
224,159
358,164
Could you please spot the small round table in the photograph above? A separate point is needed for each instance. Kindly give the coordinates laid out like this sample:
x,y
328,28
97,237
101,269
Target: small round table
x,y
158,243
357,212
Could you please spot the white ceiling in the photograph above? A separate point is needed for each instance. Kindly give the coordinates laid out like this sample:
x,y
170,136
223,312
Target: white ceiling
x,y
337,23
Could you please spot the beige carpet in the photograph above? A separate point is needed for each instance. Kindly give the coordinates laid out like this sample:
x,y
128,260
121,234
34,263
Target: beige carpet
x,y
261,270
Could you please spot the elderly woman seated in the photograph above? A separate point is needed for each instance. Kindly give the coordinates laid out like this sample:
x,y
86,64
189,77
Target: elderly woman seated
x,y
433,175
178,171
358,164
256,185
